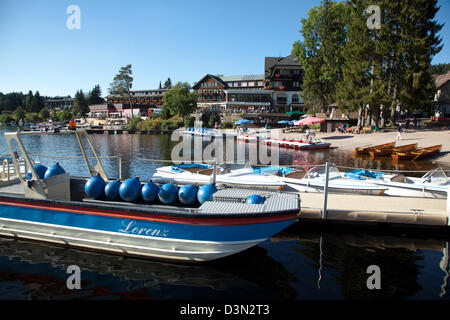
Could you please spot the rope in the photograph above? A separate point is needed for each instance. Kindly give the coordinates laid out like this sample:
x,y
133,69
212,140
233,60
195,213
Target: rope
x,y
238,163
69,157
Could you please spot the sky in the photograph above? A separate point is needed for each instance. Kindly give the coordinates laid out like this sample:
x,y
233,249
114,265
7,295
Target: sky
x,y
183,40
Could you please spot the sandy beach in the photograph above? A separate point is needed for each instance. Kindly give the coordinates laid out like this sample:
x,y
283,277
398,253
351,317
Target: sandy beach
x,y
423,137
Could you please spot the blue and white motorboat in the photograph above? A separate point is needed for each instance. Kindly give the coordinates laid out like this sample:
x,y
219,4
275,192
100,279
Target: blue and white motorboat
x,y
200,174
206,132
56,208
434,184
313,180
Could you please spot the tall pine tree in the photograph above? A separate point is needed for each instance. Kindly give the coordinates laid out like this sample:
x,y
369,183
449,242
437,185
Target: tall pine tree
x,y
95,96
320,53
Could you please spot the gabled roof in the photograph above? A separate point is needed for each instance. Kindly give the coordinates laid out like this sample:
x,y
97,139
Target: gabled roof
x,y
217,78
271,62
442,79
249,77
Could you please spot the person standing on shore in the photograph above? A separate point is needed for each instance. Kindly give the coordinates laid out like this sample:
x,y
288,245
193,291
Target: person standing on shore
x,y
399,131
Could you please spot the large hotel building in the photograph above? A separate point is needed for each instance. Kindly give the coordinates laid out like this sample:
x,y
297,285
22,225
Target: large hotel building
x,y
274,92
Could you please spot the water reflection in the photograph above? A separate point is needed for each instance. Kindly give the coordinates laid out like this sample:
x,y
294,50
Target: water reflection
x,y
292,265
37,271
411,268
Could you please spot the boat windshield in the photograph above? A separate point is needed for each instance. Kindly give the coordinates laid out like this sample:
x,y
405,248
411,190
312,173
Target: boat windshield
x,y
319,171
436,176
180,167
272,170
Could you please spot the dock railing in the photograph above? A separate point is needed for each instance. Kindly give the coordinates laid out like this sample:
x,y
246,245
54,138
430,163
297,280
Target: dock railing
x,y
212,161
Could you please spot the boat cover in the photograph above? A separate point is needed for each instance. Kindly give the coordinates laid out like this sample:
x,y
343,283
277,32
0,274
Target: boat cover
x,y
362,174
272,170
180,167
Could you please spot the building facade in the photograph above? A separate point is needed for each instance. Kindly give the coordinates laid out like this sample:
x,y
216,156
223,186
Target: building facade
x,y
140,98
275,91
284,76
442,97
59,103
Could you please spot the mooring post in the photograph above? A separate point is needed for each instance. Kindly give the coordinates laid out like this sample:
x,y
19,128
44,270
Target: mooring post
x,y
325,192
214,172
119,168
448,206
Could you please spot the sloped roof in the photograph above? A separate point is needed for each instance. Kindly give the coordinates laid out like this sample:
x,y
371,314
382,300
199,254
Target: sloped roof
x,y
271,62
442,79
217,78
249,77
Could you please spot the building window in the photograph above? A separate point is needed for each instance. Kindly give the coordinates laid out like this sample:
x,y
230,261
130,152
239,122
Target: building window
x,y
260,83
236,84
295,98
243,84
296,84
251,84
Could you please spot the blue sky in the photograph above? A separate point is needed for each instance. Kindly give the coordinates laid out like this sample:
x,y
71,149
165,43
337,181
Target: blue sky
x,y
182,40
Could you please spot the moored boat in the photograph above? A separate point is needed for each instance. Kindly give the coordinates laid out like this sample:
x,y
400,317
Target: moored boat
x,y
434,184
298,144
383,152
366,150
200,174
313,180
419,153
57,209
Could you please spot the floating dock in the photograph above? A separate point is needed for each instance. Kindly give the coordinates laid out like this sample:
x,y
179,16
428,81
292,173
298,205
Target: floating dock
x,y
355,208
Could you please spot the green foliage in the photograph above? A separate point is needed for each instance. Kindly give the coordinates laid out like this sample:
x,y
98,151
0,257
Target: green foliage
x,y
189,122
227,125
65,115
19,114
80,106
44,114
171,124
5,118
133,124
150,125
440,68
32,117
320,53
345,61
37,102
123,82
213,119
179,100
168,84
165,113
95,96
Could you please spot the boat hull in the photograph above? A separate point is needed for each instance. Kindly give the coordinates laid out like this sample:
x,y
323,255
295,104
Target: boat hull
x,y
243,178
133,233
334,187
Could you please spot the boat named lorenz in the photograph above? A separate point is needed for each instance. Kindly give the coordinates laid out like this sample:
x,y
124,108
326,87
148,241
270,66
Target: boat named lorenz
x,y
57,209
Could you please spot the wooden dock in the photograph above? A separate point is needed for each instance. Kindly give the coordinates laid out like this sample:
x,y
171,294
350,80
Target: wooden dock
x,y
375,209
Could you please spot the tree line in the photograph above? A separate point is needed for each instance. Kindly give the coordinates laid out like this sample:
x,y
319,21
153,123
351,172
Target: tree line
x,y
16,106
179,101
365,69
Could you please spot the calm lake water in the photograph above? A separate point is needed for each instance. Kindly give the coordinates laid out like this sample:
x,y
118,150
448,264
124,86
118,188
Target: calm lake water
x,y
298,263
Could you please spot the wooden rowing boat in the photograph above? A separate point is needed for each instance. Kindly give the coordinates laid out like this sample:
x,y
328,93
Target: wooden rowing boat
x,y
406,147
366,150
382,152
419,153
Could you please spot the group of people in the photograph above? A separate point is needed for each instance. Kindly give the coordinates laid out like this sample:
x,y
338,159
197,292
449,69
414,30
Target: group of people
x,y
242,130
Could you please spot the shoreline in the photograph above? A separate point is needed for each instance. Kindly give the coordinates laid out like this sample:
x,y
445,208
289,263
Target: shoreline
x,y
349,141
